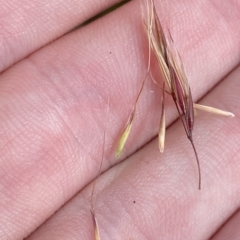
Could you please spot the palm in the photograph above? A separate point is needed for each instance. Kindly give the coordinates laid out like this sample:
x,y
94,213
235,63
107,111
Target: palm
x,y
53,106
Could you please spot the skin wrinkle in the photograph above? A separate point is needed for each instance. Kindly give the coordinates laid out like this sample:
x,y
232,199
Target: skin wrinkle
x,y
79,73
25,169
59,114
221,10
26,120
73,135
140,215
18,128
162,207
127,203
18,214
129,212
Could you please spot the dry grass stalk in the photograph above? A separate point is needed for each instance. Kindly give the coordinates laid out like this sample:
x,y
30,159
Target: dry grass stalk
x,y
175,82
92,209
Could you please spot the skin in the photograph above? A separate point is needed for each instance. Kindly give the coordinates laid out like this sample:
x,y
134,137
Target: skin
x,y
53,104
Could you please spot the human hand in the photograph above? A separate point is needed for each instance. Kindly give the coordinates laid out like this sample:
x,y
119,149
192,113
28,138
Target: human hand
x,y
53,114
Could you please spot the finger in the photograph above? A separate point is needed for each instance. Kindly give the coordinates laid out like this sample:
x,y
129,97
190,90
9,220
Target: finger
x,y
28,25
50,145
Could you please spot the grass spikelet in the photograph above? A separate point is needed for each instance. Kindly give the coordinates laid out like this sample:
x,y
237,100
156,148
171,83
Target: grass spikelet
x,y
124,136
176,84
213,110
